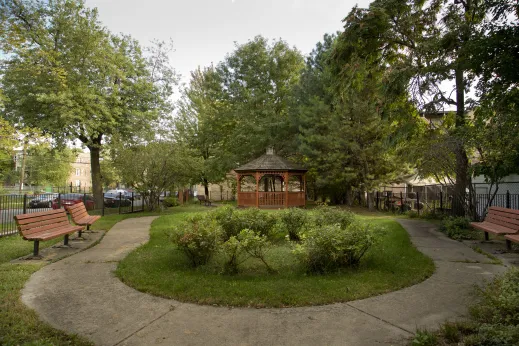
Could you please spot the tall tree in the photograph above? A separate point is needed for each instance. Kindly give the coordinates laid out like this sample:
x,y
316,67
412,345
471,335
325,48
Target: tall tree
x,y
49,166
202,125
258,78
67,75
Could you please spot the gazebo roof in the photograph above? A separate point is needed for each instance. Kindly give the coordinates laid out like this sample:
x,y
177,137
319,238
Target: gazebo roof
x,y
270,162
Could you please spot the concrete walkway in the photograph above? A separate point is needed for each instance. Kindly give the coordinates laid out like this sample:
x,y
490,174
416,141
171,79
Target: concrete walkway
x,y
80,294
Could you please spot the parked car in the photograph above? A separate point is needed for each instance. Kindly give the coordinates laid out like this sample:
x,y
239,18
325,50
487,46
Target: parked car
x,y
43,201
74,198
115,202
116,193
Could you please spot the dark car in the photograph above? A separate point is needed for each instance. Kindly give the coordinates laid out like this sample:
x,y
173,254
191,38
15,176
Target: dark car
x,y
111,202
43,200
74,198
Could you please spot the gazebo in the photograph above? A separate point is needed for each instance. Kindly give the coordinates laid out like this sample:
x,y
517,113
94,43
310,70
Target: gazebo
x,y
270,181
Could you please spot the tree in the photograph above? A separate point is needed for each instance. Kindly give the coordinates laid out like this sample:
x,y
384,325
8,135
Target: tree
x,y
8,142
201,124
49,166
258,78
67,75
156,167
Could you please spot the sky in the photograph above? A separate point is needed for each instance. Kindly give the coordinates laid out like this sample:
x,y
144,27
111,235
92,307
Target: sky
x,y
204,31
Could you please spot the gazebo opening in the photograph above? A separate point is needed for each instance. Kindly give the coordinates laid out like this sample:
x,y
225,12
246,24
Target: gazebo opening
x,y
270,181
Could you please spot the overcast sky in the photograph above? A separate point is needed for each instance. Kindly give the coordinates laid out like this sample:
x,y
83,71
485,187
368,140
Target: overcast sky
x,y
204,31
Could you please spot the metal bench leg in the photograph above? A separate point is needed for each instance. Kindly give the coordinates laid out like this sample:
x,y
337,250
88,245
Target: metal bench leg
x,y
79,233
508,244
88,227
36,251
486,236
65,242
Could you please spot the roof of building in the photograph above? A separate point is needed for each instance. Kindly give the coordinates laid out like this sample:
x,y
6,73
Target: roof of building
x,y
270,162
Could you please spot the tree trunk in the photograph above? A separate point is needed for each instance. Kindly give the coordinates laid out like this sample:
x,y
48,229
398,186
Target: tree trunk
x,y
95,167
206,188
462,162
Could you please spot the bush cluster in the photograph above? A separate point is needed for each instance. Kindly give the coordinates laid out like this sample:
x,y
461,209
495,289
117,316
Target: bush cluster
x,y
494,319
458,228
170,202
331,246
328,238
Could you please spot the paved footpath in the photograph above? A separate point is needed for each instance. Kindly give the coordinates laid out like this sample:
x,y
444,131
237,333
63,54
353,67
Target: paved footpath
x,y
80,294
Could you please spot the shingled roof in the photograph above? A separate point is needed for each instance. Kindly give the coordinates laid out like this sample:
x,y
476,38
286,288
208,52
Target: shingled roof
x,y
270,162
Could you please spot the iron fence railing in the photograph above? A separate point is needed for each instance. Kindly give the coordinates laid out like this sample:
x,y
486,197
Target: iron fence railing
x,y
15,204
474,206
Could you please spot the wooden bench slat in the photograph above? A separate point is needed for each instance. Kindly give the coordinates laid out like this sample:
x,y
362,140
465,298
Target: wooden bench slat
x,y
512,237
511,217
492,228
62,218
40,213
506,210
44,228
502,221
80,215
53,233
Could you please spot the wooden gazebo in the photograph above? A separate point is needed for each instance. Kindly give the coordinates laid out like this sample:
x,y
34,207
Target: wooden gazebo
x,y
271,181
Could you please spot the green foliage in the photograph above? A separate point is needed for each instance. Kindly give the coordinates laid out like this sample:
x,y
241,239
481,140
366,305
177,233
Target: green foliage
x,y
233,221
156,167
494,318
256,246
65,73
198,238
233,254
49,166
324,215
425,338
170,202
7,143
292,221
458,228
330,247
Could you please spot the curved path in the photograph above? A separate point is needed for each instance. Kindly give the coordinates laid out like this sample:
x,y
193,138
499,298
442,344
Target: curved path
x,y
80,294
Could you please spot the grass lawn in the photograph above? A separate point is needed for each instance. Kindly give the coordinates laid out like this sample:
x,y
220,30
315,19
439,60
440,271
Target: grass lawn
x,y
20,325
158,268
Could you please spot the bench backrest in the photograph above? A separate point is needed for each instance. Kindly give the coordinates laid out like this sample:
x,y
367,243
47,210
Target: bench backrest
x,y
201,197
42,221
504,217
77,211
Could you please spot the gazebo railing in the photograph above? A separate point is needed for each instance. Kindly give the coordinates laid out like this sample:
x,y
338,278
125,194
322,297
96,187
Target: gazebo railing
x,y
272,198
296,199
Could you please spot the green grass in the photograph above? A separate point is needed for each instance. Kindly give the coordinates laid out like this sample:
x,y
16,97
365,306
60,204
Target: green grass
x,y
20,325
158,268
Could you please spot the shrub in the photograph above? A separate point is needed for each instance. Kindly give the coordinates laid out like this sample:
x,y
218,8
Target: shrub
x,y
458,228
256,246
170,202
292,221
325,215
330,247
198,237
412,214
232,250
233,221
425,338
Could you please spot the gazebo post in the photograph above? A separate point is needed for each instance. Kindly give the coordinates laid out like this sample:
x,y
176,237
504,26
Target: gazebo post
x,y
238,188
286,189
257,189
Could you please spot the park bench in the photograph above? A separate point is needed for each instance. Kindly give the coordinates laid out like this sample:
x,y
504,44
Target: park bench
x,y
499,221
45,225
80,215
201,198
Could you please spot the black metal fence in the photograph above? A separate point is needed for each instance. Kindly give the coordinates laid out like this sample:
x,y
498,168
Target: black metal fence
x,y
15,204
441,199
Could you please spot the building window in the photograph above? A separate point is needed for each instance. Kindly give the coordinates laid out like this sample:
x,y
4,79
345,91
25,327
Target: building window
x,y
78,172
78,182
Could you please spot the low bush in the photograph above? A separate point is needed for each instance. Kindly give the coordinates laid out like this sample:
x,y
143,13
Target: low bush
x,y
292,221
494,318
458,228
233,221
324,215
170,202
329,247
412,214
198,238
